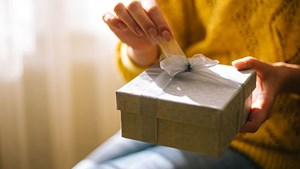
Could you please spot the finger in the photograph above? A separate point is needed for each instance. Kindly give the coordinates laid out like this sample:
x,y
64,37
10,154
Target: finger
x,y
263,102
124,15
259,112
137,12
113,22
157,17
255,119
249,63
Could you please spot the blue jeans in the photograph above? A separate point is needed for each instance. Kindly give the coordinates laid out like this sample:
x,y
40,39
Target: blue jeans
x,y
121,153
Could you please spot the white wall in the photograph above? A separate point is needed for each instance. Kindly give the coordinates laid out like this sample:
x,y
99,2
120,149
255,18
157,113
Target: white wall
x,y
57,82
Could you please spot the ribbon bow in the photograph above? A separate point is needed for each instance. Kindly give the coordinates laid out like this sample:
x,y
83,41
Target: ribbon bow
x,y
199,64
177,64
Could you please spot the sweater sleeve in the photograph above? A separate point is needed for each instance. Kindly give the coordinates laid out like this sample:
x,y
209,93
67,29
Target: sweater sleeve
x,y
127,68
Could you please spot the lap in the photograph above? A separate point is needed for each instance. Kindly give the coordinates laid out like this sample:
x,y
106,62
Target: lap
x,y
120,153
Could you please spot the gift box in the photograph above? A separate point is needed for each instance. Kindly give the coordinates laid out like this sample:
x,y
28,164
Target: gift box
x,y
198,111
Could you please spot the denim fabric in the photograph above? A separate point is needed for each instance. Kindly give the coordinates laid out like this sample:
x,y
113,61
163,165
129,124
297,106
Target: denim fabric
x,y
121,153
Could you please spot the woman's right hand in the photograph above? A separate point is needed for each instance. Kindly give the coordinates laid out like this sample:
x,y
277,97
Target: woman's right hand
x,y
140,25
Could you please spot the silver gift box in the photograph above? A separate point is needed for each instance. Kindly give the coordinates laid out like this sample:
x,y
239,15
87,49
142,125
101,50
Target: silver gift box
x,y
199,111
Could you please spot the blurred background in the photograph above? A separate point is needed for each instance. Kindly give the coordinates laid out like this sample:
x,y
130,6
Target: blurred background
x,y
57,82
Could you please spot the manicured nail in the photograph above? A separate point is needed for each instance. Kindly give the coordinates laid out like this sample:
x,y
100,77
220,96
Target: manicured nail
x,y
122,26
153,33
139,31
105,17
166,35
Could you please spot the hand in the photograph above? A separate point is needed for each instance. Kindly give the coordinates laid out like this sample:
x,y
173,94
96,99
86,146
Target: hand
x,y
139,25
268,84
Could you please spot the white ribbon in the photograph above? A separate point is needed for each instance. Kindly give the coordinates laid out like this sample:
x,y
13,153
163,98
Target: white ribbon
x,y
177,64
198,64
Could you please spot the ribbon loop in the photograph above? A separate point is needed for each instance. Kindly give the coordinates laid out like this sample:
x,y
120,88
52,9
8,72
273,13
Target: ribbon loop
x,y
198,64
199,61
176,64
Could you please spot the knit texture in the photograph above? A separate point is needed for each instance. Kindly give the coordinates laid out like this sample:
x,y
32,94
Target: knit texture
x,y
227,30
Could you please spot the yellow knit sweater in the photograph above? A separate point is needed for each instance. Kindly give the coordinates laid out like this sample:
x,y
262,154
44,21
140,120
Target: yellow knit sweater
x,y
230,29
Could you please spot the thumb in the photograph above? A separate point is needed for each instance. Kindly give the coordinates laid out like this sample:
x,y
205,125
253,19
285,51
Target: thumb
x,y
248,63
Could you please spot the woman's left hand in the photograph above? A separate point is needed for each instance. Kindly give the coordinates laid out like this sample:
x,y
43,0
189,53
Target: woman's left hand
x,y
268,84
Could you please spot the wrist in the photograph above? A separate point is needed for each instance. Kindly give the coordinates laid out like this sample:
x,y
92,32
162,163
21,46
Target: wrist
x,y
289,75
145,57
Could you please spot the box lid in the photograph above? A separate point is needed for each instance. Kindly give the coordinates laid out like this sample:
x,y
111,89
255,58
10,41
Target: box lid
x,y
189,97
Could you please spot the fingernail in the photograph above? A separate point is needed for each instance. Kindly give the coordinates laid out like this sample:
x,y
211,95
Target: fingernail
x,y
153,33
122,26
139,31
105,17
166,35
